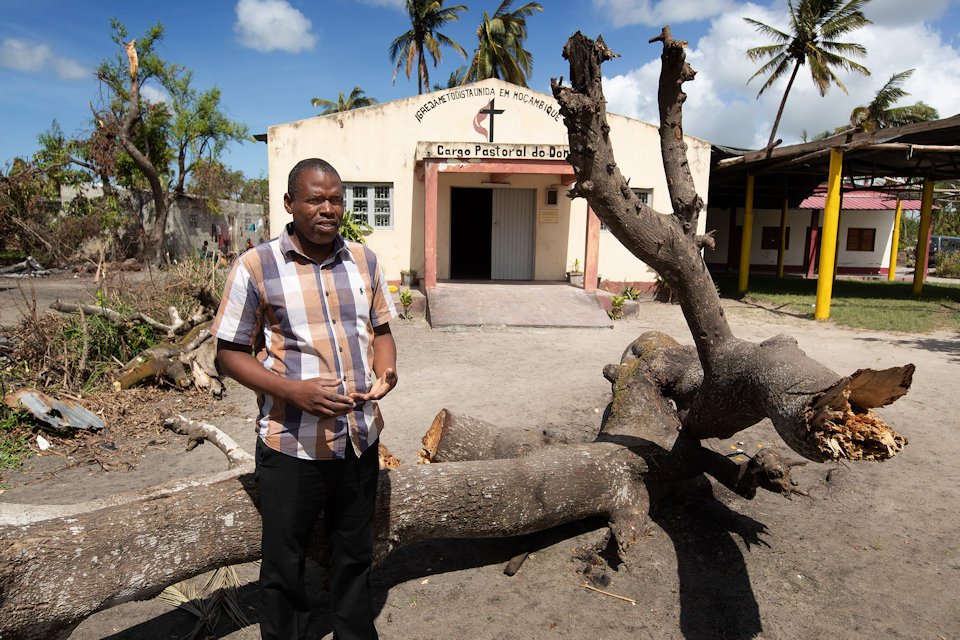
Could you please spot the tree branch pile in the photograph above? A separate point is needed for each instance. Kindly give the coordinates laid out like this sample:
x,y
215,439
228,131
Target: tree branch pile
x,y
59,565
187,359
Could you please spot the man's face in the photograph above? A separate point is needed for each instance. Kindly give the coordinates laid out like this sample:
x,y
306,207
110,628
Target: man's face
x,y
317,207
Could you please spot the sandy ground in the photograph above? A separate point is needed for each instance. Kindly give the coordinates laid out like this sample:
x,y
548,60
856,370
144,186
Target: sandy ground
x,y
873,552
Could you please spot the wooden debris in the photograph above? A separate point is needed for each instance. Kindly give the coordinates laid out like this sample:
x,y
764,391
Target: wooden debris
x,y
515,563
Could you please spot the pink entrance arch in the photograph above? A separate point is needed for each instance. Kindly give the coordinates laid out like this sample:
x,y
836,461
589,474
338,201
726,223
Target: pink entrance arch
x,y
499,170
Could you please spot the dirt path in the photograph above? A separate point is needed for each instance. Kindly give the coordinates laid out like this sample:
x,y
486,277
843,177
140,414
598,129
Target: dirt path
x,y
873,552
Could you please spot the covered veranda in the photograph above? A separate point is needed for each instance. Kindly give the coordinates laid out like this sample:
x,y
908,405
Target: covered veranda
x,y
903,159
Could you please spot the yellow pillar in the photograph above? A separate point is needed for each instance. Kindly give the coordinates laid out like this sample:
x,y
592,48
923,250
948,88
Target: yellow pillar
x,y
745,238
781,250
828,238
895,245
923,236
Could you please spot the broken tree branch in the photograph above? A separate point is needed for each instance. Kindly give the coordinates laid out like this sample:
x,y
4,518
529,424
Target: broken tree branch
x,y
206,431
742,382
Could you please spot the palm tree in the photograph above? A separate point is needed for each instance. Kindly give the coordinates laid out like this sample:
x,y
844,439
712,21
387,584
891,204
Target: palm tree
x,y
355,100
500,52
815,25
881,113
455,79
410,49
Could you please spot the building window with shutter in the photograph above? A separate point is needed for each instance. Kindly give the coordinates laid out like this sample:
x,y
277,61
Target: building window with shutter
x,y
371,202
860,239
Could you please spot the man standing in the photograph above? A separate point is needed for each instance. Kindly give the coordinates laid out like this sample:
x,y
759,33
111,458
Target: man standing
x,y
315,309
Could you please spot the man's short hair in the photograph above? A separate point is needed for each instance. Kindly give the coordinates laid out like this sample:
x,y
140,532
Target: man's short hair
x,y
316,164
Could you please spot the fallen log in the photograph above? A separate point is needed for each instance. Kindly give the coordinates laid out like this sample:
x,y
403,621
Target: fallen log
x,y
163,362
453,437
55,572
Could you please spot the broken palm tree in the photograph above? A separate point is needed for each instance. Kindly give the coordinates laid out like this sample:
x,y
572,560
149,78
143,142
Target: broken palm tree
x,y
500,482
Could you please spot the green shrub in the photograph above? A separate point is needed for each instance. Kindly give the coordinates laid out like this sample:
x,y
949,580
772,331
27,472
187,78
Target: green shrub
x,y
631,293
616,306
406,299
948,265
355,228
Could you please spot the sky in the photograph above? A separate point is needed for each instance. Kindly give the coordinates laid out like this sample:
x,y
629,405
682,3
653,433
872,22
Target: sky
x,y
270,57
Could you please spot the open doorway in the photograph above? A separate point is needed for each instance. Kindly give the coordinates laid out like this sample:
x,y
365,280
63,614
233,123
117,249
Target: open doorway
x,y
471,223
492,234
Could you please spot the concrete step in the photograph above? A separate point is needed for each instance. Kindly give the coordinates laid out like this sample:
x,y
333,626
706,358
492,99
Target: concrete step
x,y
514,304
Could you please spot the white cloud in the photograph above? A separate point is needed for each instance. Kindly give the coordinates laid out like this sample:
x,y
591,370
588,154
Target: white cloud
x,y
395,4
154,94
268,25
35,57
656,14
891,12
721,107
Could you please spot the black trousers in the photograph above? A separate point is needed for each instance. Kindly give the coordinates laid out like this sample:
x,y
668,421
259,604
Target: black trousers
x,y
293,492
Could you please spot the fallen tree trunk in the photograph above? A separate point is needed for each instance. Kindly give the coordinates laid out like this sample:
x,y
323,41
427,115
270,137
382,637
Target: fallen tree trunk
x,y
163,361
742,382
55,572
454,438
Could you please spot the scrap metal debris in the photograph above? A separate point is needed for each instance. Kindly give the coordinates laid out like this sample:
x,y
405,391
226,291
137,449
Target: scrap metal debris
x,y
26,269
61,414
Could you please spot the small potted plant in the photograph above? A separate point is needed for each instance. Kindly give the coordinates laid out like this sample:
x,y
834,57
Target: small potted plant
x,y
575,275
406,299
408,278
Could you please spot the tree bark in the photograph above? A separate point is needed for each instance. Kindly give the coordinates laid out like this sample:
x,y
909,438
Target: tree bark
x,y
456,438
55,572
166,362
743,382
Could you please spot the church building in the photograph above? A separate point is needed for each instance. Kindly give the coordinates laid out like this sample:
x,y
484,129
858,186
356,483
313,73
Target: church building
x,y
470,184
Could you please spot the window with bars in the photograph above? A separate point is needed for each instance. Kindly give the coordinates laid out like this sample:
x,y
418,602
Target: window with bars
x,y
859,239
644,195
371,202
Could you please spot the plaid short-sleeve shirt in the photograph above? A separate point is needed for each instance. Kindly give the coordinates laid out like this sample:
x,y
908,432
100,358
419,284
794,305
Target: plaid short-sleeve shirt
x,y
309,320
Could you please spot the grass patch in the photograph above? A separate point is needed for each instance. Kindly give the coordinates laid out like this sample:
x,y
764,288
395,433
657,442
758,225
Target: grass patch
x,y
13,438
863,304
9,256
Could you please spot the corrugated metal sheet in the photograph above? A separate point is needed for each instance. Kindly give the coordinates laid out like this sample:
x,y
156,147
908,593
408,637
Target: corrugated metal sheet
x,y
60,414
861,201
513,249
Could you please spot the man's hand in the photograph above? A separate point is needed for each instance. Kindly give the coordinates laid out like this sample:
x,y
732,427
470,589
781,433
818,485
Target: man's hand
x,y
380,388
319,398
